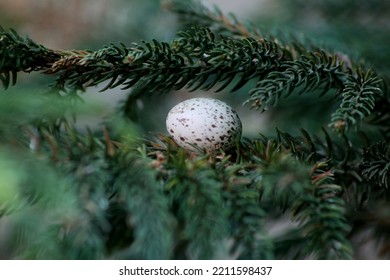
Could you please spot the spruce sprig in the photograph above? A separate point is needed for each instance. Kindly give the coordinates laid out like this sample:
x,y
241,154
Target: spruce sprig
x,y
315,71
21,54
145,209
197,202
198,58
194,13
313,201
359,95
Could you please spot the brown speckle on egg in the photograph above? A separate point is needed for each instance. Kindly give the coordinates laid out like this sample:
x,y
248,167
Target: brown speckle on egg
x,y
204,124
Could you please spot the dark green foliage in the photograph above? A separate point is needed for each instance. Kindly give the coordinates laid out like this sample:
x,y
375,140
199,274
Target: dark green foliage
x,y
316,70
361,26
146,212
198,206
358,100
376,164
21,54
201,59
313,201
106,194
380,115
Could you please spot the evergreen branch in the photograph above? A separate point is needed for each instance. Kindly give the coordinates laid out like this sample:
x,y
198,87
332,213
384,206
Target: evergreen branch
x,y
328,226
49,222
305,148
200,59
193,12
251,241
122,203
190,60
21,54
376,164
314,71
225,58
198,204
381,114
146,208
247,221
359,95
313,202
307,66
82,159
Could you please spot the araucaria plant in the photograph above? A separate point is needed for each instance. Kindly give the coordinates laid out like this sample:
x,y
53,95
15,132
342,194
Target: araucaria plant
x,y
110,193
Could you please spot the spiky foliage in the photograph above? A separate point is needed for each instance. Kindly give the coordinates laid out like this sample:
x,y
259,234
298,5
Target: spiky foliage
x,y
376,164
108,194
21,54
199,58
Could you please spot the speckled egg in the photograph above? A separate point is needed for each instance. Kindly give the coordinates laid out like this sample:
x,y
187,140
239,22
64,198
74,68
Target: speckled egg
x,y
204,124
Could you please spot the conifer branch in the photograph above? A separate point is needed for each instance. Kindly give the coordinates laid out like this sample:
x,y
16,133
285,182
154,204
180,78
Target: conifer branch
x,y
376,164
190,60
359,95
146,211
317,70
195,13
288,78
381,114
197,204
247,221
21,54
314,202
200,59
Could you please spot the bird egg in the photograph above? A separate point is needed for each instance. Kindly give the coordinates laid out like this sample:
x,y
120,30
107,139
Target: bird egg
x,y
204,124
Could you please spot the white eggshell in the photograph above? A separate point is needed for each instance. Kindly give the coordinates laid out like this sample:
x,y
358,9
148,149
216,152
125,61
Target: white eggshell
x,y
204,124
